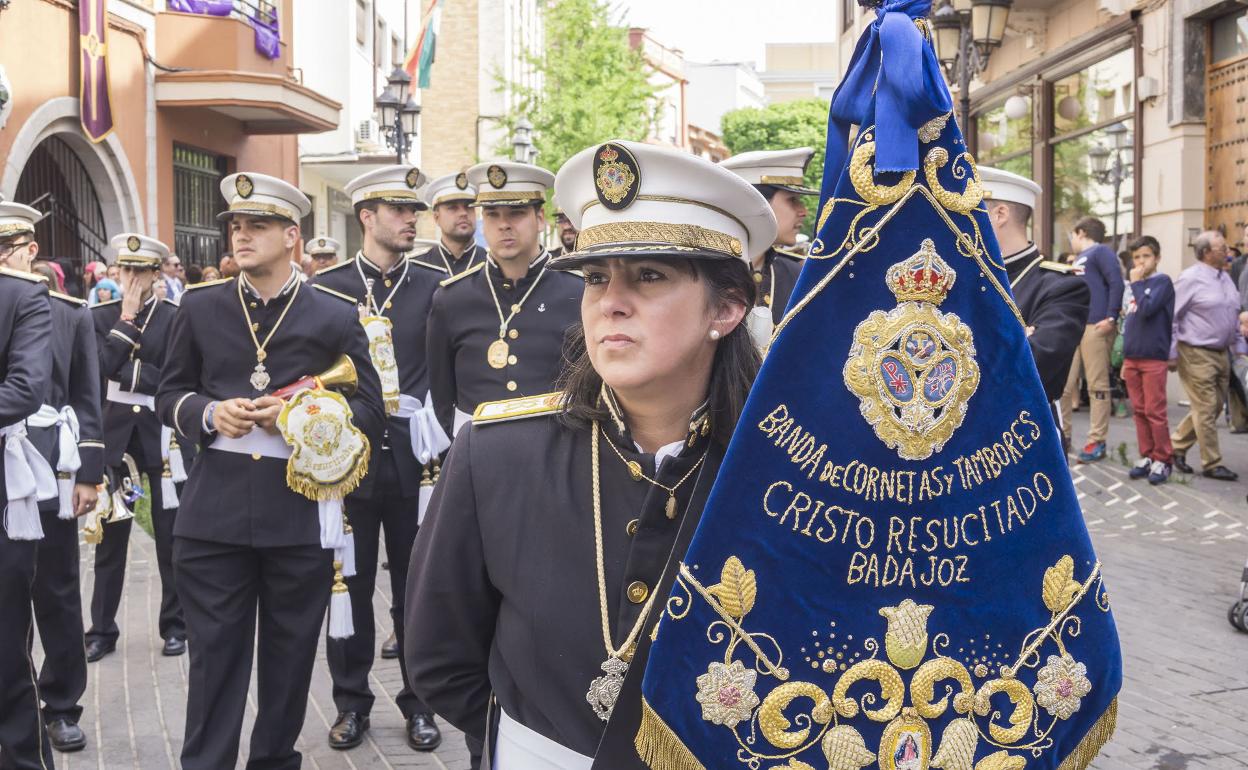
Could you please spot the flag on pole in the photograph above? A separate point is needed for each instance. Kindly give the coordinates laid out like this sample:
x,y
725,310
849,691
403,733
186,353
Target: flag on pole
x,y
420,59
93,91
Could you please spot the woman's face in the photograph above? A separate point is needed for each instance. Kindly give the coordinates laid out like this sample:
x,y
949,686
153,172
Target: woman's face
x,y
103,294
647,321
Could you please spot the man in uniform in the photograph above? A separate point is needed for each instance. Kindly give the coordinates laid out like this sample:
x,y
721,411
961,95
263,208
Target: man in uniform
x,y
1051,296
324,253
450,198
247,547
132,333
497,330
567,234
25,370
66,430
779,176
394,294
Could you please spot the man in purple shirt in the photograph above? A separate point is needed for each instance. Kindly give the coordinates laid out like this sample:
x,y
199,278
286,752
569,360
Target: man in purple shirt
x,y
1206,324
1103,275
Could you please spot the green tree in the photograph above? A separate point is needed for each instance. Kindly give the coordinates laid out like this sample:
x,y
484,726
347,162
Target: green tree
x,y
592,86
803,123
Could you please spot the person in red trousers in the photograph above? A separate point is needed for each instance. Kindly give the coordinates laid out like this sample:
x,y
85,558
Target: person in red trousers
x,y
1149,311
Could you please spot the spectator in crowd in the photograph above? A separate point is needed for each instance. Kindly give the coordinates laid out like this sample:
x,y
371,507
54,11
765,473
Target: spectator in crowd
x,y
194,274
114,273
106,290
210,274
228,267
1206,326
1146,331
92,273
1103,275
44,269
171,276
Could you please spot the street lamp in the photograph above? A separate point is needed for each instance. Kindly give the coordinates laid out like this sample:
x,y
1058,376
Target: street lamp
x,y
965,33
1108,166
398,113
522,146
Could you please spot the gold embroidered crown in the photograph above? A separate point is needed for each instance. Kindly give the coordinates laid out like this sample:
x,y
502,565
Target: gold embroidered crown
x,y
924,277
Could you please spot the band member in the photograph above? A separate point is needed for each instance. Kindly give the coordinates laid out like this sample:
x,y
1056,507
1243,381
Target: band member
x,y
324,253
131,334
450,198
247,547
523,589
25,371
567,234
393,294
780,176
497,330
1051,296
66,430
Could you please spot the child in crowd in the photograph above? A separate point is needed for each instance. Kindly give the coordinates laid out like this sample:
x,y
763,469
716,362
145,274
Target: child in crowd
x,y
1146,351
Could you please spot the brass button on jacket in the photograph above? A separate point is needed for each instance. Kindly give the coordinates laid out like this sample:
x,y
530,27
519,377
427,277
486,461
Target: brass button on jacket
x,y
637,592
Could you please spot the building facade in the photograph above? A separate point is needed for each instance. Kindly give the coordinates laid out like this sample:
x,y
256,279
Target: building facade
x,y
717,88
668,76
192,101
801,70
1157,88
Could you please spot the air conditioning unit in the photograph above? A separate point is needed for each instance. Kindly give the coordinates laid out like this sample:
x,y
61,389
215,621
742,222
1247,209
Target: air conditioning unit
x,y
368,133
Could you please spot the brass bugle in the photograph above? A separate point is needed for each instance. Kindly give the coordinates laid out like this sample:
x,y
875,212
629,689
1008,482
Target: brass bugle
x,y
341,376
124,497
93,520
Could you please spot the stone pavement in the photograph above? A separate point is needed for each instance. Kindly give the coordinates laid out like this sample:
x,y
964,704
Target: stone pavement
x,y
1172,558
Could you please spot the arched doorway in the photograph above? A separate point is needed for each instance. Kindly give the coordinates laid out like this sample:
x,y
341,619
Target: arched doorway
x,y
55,181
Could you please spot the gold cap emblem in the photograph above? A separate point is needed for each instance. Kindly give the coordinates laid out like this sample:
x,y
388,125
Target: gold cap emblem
x,y
461,181
412,178
496,176
616,176
244,186
320,242
133,243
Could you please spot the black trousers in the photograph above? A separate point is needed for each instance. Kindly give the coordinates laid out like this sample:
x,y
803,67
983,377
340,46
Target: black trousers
x,y
351,659
23,740
224,588
110,570
58,615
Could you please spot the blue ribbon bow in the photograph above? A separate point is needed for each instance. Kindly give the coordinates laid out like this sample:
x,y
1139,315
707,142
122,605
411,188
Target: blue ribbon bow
x,y
883,68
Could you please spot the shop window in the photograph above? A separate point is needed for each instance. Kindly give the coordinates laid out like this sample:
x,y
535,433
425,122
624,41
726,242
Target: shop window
x,y
1229,37
1004,133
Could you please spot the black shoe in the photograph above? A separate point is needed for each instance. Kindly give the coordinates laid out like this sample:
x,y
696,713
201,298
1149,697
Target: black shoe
x,y
1220,473
390,647
348,731
173,647
66,736
97,649
422,733
1180,463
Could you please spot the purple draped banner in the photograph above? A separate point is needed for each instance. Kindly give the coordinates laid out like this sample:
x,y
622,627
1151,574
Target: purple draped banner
x,y
263,21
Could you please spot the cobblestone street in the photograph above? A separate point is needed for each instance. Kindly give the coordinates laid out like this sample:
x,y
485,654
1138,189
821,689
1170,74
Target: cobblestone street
x,y
1172,558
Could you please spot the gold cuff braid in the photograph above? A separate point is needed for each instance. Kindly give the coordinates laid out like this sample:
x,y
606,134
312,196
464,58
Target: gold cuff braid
x,y
684,236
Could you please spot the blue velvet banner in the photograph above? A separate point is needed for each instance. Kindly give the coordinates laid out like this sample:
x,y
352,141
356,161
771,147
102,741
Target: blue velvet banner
x,y
893,567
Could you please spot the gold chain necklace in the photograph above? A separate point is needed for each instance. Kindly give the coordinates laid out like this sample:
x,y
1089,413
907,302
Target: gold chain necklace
x,y
496,355
260,377
634,470
370,303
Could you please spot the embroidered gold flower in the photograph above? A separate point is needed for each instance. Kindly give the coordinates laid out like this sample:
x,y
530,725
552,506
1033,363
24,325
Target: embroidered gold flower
x,y
727,693
1061,685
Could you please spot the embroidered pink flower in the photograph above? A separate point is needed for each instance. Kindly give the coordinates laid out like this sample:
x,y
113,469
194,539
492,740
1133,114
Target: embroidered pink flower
x,y
1061,685
726,693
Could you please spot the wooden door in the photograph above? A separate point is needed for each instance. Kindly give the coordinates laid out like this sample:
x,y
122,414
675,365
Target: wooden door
x,y
1226,154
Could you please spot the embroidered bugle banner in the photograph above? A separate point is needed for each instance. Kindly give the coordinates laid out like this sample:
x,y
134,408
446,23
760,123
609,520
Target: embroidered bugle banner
x,y
93,94
892,570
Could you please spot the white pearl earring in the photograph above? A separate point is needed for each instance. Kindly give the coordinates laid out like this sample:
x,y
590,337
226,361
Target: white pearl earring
x,y
714,334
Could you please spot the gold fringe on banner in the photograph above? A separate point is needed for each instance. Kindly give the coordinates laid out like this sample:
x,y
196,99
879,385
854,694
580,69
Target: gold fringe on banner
x,y
659,747
1094,741
337,491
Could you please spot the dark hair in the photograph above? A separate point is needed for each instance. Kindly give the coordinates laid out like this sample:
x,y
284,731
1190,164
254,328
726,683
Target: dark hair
x,y
43,268
1019,213
362,206
1092,228
1142,241
194,274
768,190
732,372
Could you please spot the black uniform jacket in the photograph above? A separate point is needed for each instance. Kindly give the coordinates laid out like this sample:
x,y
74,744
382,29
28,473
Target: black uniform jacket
x,y
75,382
25,366
502,592
1053,299
132,354
440,259
235,498
464,323
413,285
775,280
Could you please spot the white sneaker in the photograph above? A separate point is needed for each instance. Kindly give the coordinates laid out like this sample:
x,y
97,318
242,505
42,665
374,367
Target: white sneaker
x,y
1141,468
